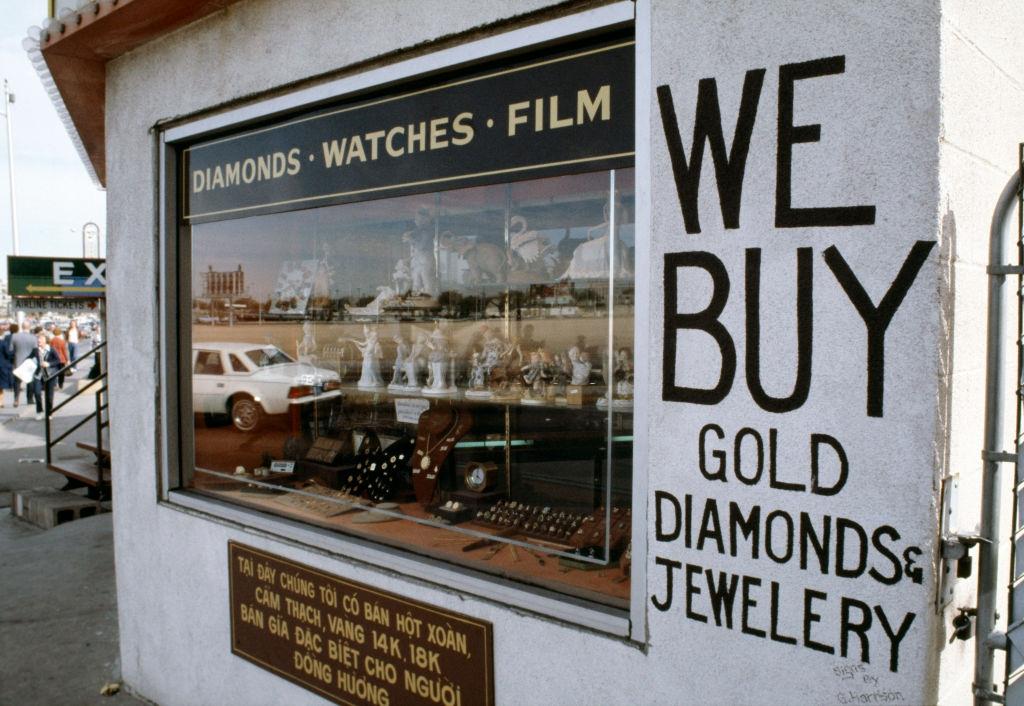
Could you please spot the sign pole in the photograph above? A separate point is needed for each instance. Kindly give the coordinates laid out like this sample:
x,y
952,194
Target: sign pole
x,y
8,118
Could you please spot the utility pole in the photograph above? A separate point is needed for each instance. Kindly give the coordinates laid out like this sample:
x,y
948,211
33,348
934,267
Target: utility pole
x,y
8,101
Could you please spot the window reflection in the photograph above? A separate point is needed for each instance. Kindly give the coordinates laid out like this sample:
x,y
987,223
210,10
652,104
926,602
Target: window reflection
x,y
449,373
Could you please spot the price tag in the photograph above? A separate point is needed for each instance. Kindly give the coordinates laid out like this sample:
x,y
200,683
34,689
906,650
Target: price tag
x,y
282,466
409,409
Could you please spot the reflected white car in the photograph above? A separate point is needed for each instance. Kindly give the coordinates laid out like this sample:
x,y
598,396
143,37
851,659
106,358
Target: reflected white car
x,y
250,380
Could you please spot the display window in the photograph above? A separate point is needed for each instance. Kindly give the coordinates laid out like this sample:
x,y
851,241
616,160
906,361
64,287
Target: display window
x,y
431,352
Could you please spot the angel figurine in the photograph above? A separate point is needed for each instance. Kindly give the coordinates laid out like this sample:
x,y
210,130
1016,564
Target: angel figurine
x,y
370,349
438,360
413,363
398,380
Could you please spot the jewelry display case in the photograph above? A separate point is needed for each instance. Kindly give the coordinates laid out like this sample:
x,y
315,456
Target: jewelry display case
x,y
429,337
462,373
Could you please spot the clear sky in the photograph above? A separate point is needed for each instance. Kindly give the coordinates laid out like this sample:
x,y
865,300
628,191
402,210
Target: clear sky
x,y
55,195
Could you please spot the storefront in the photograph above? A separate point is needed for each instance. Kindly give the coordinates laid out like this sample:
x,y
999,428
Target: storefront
x,y
544,353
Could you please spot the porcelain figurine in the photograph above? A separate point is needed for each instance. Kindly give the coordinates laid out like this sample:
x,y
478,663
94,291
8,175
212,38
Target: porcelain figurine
x,y
402,276
580,366
398,380
307,347
370,349
438,359
591,259
422,266
413,364
478,378
623,374
534,376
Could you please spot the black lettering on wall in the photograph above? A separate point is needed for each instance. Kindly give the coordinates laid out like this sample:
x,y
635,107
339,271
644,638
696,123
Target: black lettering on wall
x,y
749,527
722,595
773,466
692,589
843,526
775,634
660,534
737,456
786,216
804,332
846,626
707,126
669,565
706,320
811,539
894,637
710,527
810,617
877,319
719,473
881,548
746,604
844,465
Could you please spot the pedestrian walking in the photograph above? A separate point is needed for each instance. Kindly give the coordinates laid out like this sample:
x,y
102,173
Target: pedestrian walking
x,y
72,336
22,344
45,378
61,346
6,363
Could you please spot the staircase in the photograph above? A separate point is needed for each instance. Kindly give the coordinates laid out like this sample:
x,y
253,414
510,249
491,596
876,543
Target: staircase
x,y
91,473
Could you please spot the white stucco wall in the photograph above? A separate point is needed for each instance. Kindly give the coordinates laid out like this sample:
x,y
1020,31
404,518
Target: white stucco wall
x,y
879,123
172,565
883,143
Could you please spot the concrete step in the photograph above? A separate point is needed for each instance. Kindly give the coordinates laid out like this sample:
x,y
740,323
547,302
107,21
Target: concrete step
x,y
47,508
82,470
93,449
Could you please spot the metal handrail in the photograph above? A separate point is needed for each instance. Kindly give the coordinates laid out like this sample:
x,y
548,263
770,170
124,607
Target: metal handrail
x,y
97,415
74,428
72,364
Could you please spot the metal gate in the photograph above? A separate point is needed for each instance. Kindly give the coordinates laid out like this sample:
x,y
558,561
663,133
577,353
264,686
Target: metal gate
x,y
996,457
1014,678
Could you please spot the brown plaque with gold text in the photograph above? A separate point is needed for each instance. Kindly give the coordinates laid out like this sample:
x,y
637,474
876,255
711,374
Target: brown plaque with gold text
x,y
352,643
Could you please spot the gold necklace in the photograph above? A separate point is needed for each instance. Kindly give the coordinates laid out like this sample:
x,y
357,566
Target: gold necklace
x,y
425,461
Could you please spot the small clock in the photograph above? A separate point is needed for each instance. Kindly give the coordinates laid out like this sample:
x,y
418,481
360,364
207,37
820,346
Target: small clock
x,y
480,477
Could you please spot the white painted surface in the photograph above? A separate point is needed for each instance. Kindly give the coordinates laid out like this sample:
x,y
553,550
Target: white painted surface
x,y
879,128
880,145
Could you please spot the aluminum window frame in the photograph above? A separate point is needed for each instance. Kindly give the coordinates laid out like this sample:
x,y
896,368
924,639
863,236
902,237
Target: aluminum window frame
x,y
175,405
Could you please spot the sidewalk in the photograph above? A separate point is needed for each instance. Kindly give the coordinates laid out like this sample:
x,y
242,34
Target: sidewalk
x,y
58,605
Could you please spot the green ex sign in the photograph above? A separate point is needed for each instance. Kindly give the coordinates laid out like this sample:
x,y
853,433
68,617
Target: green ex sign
x,y
56,277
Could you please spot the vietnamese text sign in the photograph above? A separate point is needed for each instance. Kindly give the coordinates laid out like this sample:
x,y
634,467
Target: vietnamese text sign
x,y
352,643
554,114
52,277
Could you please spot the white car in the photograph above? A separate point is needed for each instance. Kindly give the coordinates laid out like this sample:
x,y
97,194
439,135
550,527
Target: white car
x,y
250,380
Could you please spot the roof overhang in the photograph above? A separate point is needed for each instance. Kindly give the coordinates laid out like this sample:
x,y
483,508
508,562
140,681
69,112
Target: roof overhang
x,y
70,54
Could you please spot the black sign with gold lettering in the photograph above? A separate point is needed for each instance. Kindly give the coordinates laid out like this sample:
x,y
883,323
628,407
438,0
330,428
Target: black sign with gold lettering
x,y
352,643
560,114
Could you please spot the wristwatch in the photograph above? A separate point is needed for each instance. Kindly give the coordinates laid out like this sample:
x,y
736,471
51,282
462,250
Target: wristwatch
x,y
480,477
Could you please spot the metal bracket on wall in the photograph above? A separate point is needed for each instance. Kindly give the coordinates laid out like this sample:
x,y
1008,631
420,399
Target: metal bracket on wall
x,y
947,523
1003,270
999,456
